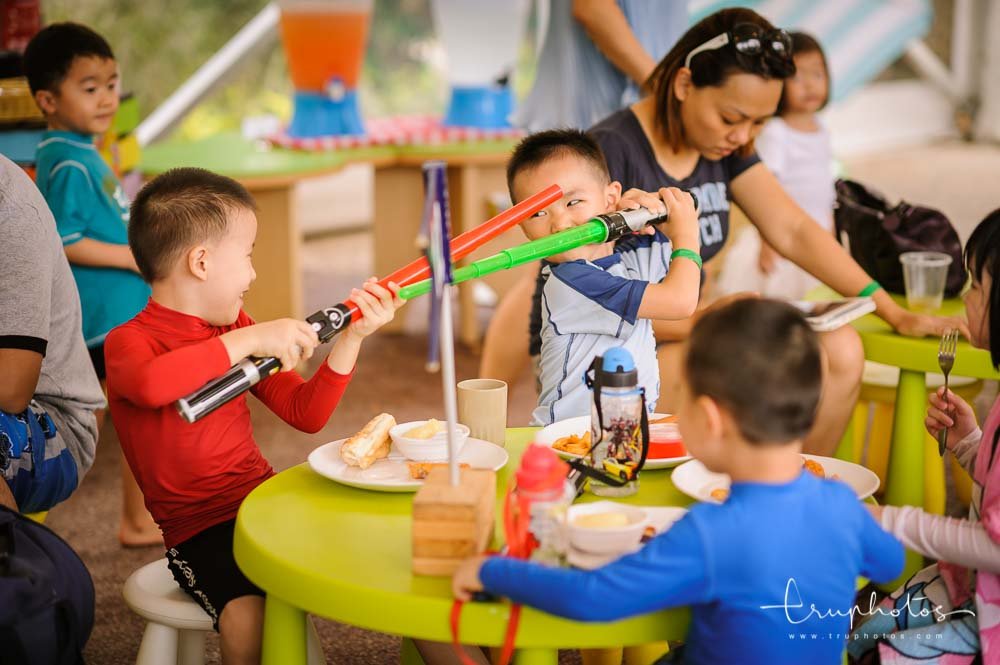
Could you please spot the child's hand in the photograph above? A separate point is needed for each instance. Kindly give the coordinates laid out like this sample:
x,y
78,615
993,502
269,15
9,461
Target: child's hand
x,y
637,198
466,582
953,413
767,259
288,340
682,222
378,305
875,510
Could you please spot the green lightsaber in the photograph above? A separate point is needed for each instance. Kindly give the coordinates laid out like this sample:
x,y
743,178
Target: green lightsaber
x,y
603,228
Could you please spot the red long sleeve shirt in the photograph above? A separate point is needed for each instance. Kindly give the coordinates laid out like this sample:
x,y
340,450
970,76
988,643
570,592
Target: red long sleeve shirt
x,y
194,476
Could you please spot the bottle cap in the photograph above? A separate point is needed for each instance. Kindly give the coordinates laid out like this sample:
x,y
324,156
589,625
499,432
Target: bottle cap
x,y
618,369
541,470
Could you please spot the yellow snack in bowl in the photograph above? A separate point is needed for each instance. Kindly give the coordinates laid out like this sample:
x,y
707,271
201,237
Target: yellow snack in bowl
x,y
425,431
719,494
610,520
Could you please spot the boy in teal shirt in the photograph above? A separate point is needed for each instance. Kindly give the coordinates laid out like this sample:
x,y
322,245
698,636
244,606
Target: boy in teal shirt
x,y
74,78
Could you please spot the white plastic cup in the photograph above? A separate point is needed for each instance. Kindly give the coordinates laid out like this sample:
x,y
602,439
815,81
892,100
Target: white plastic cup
x,y
482,405
924,275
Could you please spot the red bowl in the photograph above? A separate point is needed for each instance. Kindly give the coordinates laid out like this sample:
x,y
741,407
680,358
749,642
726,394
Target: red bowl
x,y
665,441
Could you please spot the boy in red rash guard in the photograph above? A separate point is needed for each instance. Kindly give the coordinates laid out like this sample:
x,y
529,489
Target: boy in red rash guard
x,y
192,233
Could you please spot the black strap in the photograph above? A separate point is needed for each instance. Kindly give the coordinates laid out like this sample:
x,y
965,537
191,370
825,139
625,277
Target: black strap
x,y
580,464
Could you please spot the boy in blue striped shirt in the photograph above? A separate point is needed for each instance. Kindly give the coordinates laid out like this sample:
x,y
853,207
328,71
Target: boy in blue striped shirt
x,y
603,295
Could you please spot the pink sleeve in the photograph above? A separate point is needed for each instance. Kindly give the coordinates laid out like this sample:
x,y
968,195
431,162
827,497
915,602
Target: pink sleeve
x,y
305,405
957,541
966,449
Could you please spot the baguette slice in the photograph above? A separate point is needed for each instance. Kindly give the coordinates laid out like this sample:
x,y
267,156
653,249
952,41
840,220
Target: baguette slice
x,y
370,444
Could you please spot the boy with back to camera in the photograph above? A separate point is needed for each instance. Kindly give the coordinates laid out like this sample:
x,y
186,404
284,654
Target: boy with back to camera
x,y
74,78
603,295
192,234
779,557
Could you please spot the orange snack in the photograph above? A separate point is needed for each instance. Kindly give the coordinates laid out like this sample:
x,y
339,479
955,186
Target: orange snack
x,y
814,467
574,444
719,494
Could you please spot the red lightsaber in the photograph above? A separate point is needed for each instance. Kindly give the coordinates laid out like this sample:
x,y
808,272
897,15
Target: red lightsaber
x,y
331,321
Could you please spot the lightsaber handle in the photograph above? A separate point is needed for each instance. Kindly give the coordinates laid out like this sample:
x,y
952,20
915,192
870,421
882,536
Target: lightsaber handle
x,y
239,379
624,222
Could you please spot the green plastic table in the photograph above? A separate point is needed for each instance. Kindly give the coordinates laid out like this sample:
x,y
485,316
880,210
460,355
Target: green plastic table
x,y
914,356
342,553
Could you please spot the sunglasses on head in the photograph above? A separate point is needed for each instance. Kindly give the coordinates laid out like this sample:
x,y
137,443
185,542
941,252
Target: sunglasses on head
x,y
748,39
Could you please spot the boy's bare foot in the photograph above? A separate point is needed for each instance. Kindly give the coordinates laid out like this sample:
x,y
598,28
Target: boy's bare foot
x,y
139,535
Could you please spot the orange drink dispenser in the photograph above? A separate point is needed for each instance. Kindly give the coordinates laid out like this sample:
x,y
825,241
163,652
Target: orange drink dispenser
x,y
324,42
481,39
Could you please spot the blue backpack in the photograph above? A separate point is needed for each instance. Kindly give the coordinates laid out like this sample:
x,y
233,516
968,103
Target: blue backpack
x,y
46,595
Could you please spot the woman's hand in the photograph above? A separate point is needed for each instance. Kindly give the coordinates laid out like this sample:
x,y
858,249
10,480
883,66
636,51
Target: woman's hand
x,y
953,413
913,324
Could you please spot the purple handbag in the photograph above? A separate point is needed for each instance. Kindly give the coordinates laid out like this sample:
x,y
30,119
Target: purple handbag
x,y
877,233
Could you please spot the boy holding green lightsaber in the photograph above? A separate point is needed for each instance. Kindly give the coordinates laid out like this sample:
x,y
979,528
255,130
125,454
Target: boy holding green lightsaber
x,y
599,296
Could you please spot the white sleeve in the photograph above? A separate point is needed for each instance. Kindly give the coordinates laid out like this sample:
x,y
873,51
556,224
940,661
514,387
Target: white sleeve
x,y
949,539
966,449
771,145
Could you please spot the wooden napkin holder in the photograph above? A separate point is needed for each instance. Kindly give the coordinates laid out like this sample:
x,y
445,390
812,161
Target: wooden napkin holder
x,y
452,523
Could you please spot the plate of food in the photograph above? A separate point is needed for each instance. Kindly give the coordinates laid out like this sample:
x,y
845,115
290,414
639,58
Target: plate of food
x,y
371,460
571,438
699,483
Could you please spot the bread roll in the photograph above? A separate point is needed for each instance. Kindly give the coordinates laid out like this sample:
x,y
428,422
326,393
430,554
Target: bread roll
x,y
370,444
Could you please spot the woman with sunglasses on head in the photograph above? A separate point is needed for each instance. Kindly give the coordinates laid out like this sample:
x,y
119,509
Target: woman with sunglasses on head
x,y
711,95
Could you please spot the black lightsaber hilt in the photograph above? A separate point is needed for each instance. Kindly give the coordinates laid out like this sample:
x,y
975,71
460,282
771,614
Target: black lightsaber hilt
x,y
624,222
245,374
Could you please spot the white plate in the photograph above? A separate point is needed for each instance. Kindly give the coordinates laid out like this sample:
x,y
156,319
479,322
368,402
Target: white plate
x,y
393,475
557,430
660,518
698,482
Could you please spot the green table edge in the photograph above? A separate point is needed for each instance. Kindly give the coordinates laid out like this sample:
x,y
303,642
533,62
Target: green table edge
x,y
229,154
426,617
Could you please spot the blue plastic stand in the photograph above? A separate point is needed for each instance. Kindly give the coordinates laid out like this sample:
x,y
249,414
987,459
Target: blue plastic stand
x,y
483,107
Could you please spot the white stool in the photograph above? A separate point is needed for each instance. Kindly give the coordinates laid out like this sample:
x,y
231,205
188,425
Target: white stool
x,y
175,632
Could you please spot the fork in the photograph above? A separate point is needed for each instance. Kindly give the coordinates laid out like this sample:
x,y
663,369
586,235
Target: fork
x,y
946,360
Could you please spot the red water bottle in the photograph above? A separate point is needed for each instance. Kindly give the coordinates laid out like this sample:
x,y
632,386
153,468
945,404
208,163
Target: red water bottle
x,y
536,505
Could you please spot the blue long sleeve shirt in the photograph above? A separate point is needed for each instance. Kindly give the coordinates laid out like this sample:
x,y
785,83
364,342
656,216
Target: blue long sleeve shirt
x,y
770,574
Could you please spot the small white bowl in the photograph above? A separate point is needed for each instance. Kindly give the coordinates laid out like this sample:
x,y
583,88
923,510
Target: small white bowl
x,y
434,449
606,540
